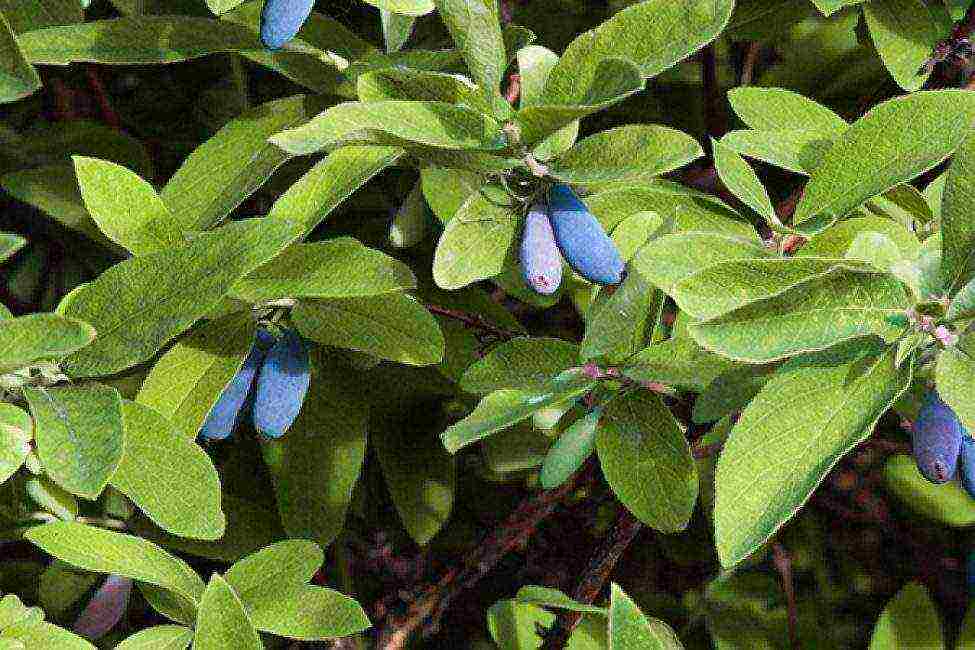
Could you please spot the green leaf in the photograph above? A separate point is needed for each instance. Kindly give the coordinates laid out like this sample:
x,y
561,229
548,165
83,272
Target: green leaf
x,y
397,29
40,635
61,586
909,620
54,190
105,551
570,451
676,362
435,124
839,305
78,432
553,598
957,222
503,408
320,460
963,303
142,303
729,392
48,496
610,82
529,364
875,248
281,567
727,285
647,461
337,268
633,232
629,629
954,374
811,412
136,40
25,15
230,166
665,261
947,504
476,29
476,241
654,34
420,477
9,245
125,207
739,177
830,7
775,109
618,323
796,150
408,84
309,613
222,622
905,33
187,380
223,6
168,476
393,326
836,241
18,78
309,201
160,637
627,152
404,7
34,337
16,432
894,142
535,64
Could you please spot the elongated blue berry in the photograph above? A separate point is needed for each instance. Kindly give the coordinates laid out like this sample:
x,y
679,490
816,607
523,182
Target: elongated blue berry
x,y
281,386
281,20
966,464
105,609
223,416
541,263
581,238
937,437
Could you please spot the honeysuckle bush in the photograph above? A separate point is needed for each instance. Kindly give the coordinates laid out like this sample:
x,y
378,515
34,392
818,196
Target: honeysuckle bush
x,y
175,193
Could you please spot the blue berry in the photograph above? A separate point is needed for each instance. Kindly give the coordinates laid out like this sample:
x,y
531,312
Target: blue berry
x,y
222,418
581,238
937,439
281,20
966,464
281,386
541,264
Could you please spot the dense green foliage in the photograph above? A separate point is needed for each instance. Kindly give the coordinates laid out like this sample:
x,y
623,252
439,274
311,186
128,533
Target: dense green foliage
x,y
390,322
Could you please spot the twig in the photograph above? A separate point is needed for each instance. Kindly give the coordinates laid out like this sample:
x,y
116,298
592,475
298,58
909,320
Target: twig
x,y
473,320
597,574
429,601
712,94
748,64
101,96
783,564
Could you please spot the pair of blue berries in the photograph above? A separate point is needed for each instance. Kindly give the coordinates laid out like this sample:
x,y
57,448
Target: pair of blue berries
x,y
565,225
281,20
278,370
942,446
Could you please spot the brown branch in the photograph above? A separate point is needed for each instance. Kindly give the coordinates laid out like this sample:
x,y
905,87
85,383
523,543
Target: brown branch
x,y
101,96
473,321
594,579
783,564
429,601
748,64
713,118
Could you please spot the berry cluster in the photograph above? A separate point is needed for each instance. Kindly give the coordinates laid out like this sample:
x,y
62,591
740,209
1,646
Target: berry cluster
x,y
278,370
942,446
565,225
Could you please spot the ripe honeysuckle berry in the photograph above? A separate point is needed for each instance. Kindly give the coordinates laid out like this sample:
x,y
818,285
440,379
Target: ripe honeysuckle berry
x,y
581,238
281,385
223,416
541,263
937,438
966,463
281,20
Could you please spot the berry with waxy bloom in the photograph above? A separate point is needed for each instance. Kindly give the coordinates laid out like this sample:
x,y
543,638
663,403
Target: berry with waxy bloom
x,y
281,20
581,238
541,263
282,385
222,419
937,439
